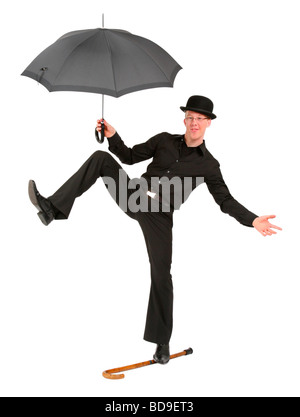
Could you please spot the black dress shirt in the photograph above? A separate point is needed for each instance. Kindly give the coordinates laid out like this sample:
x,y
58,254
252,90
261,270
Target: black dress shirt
x,y
173,158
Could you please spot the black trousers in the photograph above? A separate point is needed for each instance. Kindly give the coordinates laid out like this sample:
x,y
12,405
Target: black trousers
x,y
157,230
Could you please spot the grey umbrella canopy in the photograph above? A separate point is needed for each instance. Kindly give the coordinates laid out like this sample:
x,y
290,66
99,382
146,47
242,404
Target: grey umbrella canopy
x,y
106,61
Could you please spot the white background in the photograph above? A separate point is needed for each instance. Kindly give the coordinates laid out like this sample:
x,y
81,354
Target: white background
x,y
73,296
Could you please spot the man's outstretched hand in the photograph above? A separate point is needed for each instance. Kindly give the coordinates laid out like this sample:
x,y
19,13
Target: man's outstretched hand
x,y
263,226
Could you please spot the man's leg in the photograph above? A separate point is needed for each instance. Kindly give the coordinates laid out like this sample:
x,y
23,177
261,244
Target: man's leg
x,y
157,229
100,164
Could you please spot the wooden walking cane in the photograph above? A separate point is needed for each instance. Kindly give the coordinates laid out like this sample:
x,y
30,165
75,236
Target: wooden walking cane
x,y
114,373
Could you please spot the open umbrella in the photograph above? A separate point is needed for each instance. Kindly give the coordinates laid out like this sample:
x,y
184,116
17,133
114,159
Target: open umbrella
x,y
105,61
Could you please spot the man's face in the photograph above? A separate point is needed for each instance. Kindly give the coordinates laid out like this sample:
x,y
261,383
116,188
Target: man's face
x,y
196,125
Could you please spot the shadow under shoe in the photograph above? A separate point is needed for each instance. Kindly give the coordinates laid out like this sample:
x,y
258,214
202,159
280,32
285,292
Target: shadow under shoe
x,y
46,210
162,354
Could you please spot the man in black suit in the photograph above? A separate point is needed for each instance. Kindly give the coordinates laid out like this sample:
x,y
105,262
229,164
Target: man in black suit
x,y
179,164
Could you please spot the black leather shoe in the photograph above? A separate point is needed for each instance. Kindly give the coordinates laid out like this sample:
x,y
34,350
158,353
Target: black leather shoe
x,y
162,354
46,210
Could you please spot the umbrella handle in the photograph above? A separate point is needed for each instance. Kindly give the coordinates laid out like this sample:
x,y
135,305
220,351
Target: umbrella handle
x,y
97,136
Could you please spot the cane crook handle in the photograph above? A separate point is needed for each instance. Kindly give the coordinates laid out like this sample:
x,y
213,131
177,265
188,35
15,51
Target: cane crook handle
x,y
110,375
115,373
97,136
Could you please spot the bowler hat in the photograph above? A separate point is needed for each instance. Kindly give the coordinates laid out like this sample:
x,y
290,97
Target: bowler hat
x,y
201,105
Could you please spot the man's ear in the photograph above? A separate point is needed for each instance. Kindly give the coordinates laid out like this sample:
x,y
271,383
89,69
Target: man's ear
x,y
209,122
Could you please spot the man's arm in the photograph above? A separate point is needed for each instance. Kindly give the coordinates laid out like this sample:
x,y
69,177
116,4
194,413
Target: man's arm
x,y
220,192
127,155
229,205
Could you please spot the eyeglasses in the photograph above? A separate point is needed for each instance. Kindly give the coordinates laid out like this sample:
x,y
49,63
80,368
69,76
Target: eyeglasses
x,y
197,119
